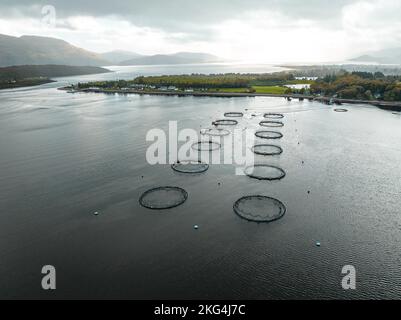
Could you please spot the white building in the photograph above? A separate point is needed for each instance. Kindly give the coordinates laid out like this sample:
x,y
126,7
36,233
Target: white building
x,y
306,78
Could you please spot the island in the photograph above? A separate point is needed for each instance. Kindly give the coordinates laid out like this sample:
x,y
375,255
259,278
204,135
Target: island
x,y
339,87
33,75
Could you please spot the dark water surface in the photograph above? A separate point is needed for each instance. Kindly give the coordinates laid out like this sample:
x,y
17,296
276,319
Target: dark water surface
x,y
65,156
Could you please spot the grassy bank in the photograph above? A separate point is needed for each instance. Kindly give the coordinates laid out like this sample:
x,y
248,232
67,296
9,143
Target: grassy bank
x,y
270,89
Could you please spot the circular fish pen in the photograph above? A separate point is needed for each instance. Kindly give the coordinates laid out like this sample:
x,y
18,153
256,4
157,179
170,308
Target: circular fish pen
x,y
206,146
234,114
259,208
268,134
271,124
267,149
264,172
163,198
190,167
273,115
216,132
225,122
340,110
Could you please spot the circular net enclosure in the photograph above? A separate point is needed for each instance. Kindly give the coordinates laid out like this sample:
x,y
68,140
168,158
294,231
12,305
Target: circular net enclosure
x,y
259,208
268,134
233,114
340,110
271,124
163,198
273,115
190,167
206,146
267,149
215,132
225,122
264,172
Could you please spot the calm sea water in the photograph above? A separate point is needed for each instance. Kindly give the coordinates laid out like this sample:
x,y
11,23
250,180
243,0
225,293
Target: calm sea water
x,y
65,156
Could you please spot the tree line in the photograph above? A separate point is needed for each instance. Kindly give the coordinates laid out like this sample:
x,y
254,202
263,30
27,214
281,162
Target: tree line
x,y
198,81
359,85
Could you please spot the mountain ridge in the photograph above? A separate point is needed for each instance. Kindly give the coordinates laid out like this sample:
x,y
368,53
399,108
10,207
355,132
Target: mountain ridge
x,y
175,58
385,56
34,50
37,50
118,56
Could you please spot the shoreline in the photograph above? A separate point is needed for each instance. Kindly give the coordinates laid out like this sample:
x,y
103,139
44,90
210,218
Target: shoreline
x,y
25,85
385,105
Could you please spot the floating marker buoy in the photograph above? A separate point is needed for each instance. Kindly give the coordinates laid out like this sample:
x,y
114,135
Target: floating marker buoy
x,y
317,244
196,227
96,213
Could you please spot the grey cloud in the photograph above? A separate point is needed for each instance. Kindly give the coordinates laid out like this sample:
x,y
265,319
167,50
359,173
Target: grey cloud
x,y
179,15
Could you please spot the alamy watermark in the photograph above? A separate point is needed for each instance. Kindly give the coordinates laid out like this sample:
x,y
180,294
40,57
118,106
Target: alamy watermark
x,y
49,16
187,145
49,280
348,282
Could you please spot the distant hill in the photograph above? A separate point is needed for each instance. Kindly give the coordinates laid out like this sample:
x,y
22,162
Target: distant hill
x,y
33,50
387,56
18,73
176,58
365,58
118,56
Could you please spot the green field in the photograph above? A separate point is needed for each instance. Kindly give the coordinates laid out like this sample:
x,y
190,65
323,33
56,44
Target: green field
x,y
270,89
231,90
258,89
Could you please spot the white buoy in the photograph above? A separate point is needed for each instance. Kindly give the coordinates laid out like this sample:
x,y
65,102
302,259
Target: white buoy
x,y
196,227
96,213
318,244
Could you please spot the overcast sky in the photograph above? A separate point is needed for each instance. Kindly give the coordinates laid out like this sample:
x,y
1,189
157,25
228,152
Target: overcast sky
x,y
251,30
